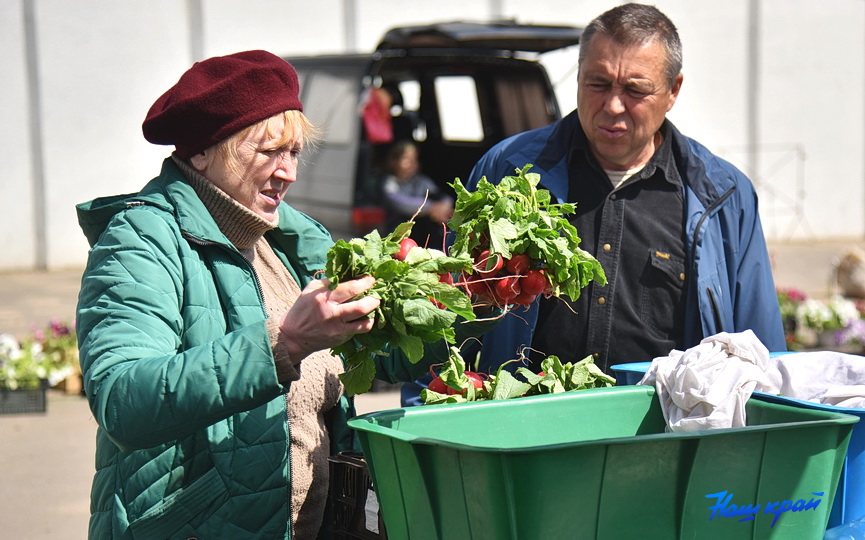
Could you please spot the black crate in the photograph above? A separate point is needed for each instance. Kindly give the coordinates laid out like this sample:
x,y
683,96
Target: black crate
x,y
379,385
23,401
350,490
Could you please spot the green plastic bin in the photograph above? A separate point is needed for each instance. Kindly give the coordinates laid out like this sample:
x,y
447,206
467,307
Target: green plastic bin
x,y
599,464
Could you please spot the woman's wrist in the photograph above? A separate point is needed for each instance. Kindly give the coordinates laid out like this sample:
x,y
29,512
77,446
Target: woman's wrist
x,y
286,368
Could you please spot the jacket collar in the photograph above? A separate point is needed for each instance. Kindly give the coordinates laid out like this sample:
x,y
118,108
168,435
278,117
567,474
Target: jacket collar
x,y
691,159
707,176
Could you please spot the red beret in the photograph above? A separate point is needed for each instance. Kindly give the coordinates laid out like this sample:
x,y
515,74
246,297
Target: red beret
x,y
220,96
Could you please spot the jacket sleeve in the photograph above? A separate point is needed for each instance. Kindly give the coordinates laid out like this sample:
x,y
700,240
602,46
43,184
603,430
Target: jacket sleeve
x,y
755,299
144,387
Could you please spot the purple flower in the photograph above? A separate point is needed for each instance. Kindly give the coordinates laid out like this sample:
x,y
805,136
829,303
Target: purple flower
x,y
58,328
854,333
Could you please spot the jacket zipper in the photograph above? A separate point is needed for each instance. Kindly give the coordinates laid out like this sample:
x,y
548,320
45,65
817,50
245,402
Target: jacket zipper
x,y
720,200
201,242
716,310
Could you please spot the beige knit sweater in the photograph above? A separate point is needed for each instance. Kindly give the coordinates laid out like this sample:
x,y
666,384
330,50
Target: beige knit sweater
x,y
314,386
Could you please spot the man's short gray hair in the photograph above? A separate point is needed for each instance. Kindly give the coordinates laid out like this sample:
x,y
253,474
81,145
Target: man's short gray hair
x,y
637,24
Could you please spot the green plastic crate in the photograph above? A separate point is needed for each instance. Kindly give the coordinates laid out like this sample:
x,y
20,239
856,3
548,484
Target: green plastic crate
x,y
599,464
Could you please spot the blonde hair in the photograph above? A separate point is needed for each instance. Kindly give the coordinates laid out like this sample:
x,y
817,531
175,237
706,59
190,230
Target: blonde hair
x,y
293,122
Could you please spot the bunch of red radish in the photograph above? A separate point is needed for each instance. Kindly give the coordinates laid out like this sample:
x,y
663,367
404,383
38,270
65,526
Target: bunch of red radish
x,y
513,281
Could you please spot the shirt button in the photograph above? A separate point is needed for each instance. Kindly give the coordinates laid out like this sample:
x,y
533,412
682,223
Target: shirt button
x,y
602,300
596,355
613,197
682,276
607,247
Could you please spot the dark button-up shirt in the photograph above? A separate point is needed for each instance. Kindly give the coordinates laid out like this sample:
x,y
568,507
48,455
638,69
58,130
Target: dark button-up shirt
x,y
636,231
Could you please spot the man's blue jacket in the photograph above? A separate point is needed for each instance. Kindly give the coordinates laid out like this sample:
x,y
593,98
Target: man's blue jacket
x,y
731,288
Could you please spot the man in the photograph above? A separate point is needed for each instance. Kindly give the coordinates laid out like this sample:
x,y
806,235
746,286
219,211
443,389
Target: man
x,y
675,228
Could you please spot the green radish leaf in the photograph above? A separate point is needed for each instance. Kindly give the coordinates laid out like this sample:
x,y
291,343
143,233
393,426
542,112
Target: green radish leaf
x,y
507,386
412,346
422,314
359,376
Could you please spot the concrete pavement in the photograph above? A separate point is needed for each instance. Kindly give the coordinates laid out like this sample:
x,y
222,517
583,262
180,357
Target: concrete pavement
x,y
46,460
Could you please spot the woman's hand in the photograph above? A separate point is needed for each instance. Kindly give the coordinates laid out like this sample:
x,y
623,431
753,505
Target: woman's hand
x,y
322,318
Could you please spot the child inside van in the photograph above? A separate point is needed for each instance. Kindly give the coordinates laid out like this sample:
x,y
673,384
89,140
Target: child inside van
x,y
407,191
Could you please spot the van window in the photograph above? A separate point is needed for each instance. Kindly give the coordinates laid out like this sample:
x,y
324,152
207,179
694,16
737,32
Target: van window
x,y
460,115
330,99
410,91
408,122
522,103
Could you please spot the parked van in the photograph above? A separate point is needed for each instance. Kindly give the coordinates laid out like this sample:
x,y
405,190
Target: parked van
x,y
455,89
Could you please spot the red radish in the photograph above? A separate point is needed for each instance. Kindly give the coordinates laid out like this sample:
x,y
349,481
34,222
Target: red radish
x,y
488,265
534,282
524,298
475,379
447,277
438,386
507,288
473,285
405,246
436,303
519,264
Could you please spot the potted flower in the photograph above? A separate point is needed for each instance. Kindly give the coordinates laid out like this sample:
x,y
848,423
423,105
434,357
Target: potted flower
x,y
60,343
28,367
824,319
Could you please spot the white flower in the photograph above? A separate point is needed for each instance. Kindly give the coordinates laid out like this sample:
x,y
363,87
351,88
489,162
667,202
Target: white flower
x,y
8,345
11,380
56,376
844,310
36,349
813,314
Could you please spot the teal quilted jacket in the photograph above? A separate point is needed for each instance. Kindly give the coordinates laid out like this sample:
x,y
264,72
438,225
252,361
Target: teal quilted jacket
x,y
178,370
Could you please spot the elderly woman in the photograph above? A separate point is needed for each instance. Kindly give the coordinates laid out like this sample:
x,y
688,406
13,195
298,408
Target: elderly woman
x,y
203,332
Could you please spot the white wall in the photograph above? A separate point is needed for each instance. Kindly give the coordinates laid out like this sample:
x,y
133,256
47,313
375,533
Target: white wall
x,y
102,63
812,95
17,236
